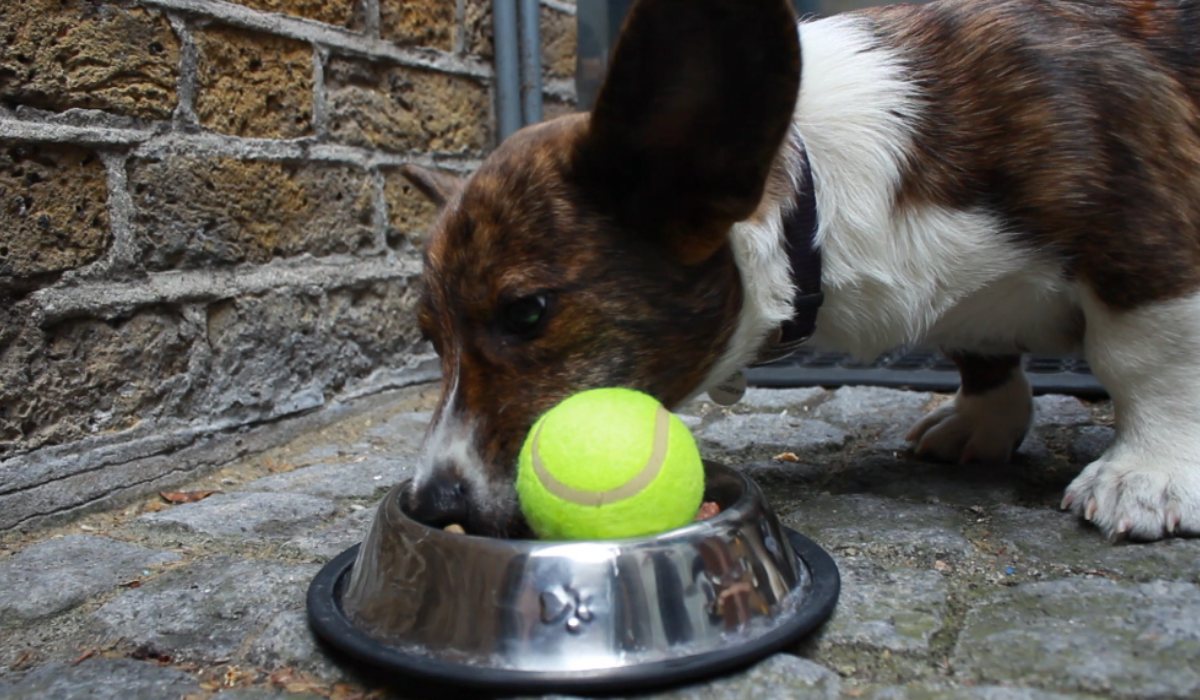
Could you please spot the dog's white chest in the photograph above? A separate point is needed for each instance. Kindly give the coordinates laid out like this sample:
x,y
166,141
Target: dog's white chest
x,y
944,278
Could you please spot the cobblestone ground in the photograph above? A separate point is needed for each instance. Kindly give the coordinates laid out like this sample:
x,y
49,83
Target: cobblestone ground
x,y
958,582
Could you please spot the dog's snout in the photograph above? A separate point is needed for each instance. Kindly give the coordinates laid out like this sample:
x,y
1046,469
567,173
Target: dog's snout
x,y
441,501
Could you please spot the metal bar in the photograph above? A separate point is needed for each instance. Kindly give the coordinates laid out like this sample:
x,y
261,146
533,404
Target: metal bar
x,y
508,79
529,21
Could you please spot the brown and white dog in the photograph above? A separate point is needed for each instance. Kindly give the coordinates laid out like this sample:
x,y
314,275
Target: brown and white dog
x,y
991,177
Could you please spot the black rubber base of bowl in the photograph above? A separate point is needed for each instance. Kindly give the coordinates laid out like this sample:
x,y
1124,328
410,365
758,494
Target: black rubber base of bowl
x,y
919,370
331,624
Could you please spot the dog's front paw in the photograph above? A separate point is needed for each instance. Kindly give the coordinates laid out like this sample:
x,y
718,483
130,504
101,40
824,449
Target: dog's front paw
x,y
985,428
1139,496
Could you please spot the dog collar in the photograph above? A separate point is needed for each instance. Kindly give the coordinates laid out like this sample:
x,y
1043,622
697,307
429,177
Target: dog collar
x,y
804,256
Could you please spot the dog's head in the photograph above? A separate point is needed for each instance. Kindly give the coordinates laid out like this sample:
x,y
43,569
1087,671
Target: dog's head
x,y
592,250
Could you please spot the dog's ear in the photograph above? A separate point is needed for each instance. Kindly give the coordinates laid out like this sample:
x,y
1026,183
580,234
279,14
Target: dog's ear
x,y
697,101
437,186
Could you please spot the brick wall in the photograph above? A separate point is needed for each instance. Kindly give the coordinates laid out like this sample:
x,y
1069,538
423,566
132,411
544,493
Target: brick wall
x,y
202,226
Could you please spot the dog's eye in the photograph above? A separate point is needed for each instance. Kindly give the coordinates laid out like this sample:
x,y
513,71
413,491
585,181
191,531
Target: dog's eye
x,y
524,316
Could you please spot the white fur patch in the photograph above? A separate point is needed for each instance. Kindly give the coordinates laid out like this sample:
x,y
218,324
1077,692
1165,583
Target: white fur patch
x,y
984,428
450,443
892,277
767,293
1147,485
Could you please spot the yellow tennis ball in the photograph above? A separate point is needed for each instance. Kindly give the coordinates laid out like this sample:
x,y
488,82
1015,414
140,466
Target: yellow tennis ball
x,y
606,464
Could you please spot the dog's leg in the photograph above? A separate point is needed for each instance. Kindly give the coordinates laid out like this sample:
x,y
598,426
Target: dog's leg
x,y
1147,485
988,418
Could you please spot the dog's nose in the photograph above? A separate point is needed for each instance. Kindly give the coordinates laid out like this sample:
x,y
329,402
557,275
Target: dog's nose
x,y
441,501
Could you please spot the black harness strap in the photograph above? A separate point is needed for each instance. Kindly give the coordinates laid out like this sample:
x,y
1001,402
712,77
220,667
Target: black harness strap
x,y
800,233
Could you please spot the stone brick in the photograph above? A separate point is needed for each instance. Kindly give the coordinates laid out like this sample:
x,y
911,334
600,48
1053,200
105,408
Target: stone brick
x,y
477,26
398,108
64,54
559,43
552,109
253,84
410,213
261,356
343,13
377,321
53,210
418,23
82,377
196,213
282,347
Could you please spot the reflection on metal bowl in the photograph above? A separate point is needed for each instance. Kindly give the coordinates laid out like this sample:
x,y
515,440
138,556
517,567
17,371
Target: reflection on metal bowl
x,y
585,616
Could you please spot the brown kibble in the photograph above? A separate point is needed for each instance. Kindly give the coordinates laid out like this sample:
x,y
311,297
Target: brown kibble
x,y
707,510
455,529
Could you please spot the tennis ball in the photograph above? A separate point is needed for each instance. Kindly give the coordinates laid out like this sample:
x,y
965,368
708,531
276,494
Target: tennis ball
x,y
606,464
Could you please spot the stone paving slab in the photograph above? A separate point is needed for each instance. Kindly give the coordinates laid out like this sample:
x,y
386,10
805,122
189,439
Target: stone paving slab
x,y
767,433
59,574
288,642
795,401
958,581
975,693
402,433
868,408
364,477
1090,442
1087,634
899,477
893,609
854,519
1060,411
248,515
207,610
1055,539
779,676
263,694
330,541
103,679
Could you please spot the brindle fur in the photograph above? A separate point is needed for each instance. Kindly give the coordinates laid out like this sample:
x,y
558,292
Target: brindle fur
x,y
1075,122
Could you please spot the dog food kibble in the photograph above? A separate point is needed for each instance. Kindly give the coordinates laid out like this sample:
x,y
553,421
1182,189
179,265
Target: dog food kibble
x,y
455,529
707,510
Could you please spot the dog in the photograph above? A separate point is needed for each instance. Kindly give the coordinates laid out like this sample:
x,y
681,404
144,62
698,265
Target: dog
x,y
990,177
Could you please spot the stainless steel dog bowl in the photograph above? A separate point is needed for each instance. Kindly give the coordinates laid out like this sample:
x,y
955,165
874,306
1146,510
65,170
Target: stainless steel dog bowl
x,y
536,616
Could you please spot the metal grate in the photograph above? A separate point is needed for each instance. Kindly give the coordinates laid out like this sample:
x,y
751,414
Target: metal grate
x,y
921,370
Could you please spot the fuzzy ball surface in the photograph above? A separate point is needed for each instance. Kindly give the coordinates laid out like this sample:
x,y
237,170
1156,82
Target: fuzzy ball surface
x,y
609,464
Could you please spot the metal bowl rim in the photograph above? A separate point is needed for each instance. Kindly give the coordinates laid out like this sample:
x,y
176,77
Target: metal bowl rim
x,y
741,507
331,624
